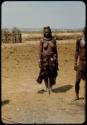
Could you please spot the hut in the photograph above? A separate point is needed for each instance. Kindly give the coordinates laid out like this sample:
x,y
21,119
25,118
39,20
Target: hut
x,y
16,34
11,36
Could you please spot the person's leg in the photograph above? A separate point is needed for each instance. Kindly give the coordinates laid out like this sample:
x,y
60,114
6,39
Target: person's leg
x,y
85,79
52,82
46,83
77,84
77,88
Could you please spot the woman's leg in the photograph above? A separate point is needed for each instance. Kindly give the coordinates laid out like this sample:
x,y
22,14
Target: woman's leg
x,y
77,84
52,82
46,83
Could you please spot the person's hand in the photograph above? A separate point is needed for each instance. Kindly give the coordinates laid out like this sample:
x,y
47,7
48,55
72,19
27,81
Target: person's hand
x,y
57,67
75,67
39,61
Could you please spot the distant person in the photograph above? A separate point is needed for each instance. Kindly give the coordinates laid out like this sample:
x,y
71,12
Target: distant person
x,y
80,63
48,59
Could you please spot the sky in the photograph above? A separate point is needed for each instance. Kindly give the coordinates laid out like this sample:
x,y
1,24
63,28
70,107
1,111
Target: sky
x,y
37,14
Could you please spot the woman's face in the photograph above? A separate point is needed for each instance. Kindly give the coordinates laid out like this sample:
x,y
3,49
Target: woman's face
x,y
47,33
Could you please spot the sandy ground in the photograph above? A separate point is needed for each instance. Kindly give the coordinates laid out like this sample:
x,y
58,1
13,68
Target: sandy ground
x,y
21,100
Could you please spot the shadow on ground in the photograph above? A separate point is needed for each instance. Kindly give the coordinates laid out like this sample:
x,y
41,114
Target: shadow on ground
x,y
64,88
4,102
59,89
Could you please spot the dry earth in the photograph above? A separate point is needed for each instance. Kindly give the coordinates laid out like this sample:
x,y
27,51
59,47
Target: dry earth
x,y
21,102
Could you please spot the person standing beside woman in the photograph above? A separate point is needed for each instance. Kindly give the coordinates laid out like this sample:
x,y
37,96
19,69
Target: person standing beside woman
x,y
80,65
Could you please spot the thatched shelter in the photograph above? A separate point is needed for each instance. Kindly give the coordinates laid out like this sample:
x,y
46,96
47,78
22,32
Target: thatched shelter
x,y
17,37
6,36
13,36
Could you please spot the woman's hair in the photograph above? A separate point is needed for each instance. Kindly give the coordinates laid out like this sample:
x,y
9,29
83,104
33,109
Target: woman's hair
x,y
47,27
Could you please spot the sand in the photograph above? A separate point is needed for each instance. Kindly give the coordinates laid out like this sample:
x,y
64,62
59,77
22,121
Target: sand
x,y
21,102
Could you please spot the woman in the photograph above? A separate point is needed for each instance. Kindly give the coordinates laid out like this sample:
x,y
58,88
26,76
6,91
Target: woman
x,y
48,61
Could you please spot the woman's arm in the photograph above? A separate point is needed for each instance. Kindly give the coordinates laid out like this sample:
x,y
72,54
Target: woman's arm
x,y
76,54
40,53
56,53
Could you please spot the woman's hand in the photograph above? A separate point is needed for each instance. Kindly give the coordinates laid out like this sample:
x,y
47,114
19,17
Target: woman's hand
x,y
75,67
40,63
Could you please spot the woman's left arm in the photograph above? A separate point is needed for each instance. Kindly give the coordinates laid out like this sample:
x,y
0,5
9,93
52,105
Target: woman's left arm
x,y
56,52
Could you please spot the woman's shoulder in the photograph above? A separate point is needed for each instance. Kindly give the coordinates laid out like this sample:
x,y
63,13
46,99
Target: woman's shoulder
x,y
54,39
42,40
79,38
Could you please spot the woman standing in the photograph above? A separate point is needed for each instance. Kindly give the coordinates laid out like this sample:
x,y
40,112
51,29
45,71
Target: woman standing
x,y
48,59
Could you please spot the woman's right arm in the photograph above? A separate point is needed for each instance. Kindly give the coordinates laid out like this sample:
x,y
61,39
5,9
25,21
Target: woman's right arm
x,y
41,49
40,52
76,54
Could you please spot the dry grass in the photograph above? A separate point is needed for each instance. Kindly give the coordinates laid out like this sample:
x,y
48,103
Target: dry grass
x,y
19,87
59,36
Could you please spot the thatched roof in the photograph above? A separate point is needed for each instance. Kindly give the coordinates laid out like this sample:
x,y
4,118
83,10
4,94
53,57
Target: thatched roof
x,y
16,31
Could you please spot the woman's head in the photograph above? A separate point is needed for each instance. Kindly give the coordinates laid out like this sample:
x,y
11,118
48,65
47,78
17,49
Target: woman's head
x,y
47,32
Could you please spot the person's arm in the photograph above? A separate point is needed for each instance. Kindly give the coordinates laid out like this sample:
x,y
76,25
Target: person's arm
x,y
56,54
76,54
40,52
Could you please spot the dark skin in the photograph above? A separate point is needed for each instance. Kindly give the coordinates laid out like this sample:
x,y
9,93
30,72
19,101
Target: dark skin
x,y
48,59
76,56
77,83
47,34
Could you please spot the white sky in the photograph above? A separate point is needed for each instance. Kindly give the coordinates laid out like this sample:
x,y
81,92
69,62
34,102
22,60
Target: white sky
x,y
36,14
